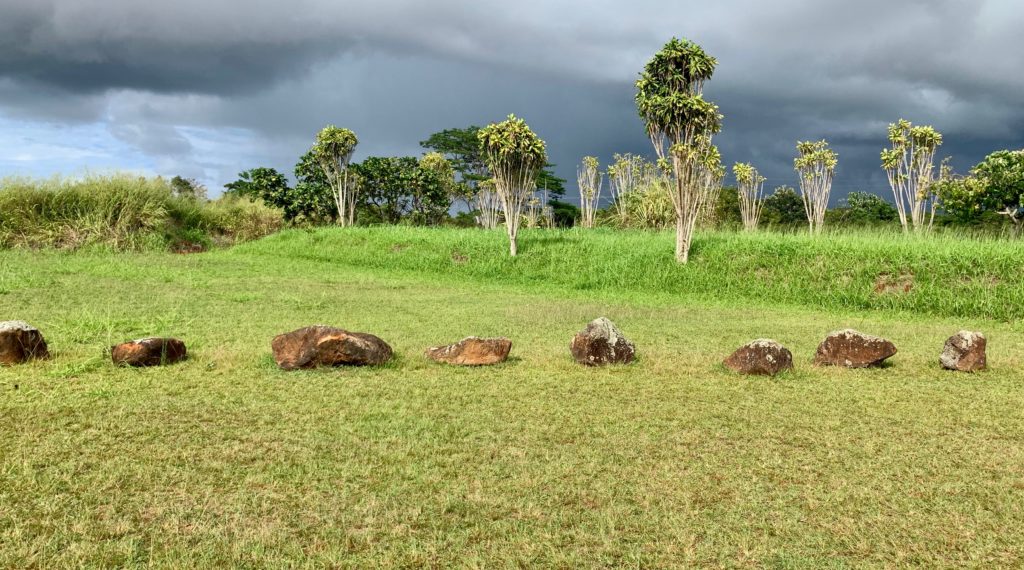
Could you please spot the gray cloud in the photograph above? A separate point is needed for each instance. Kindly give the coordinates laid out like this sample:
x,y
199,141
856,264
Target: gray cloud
x,y
396,70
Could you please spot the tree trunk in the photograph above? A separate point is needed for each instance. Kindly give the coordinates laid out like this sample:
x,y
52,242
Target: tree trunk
x,y
512,246
682,240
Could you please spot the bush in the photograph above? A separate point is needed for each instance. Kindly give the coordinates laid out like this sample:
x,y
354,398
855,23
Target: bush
x,y
122,212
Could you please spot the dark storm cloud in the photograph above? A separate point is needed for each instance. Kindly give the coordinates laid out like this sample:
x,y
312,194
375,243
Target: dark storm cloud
x,y
397,70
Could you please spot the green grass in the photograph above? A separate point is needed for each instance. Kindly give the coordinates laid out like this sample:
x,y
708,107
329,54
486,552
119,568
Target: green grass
x,y
225,461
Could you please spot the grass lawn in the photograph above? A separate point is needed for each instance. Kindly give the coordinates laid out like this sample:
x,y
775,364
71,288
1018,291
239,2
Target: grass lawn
x,y
672,462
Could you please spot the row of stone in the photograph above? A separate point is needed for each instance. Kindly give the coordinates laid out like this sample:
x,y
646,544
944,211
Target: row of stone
x,y
600,343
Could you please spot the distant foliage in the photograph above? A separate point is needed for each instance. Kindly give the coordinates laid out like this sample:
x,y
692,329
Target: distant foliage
x,y
994,187
393,189
590,182
784,208
750,187
188,188
864,209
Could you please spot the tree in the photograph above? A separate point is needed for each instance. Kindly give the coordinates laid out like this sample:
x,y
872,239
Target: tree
x,y
910,165
750,188
784,207
996,185
625,175
462,148
680,124
394,188
443,171
333,150
264,183
590,182
189,188
864,208
312,200
488,204
514,155
816,165
548,182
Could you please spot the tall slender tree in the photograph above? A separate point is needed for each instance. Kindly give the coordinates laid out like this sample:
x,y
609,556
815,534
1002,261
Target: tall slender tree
x,y
590,181
910,166
624,176
816,165
680,124
514,155
333,151
750,189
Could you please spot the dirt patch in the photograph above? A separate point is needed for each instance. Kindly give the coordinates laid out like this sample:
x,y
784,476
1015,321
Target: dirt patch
x,y
888,284
459,258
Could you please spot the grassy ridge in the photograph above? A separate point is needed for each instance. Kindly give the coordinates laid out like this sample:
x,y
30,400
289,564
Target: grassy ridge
x,y
946,275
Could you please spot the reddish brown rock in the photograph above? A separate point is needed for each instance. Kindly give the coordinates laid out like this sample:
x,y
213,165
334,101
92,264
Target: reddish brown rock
x,y
853,349
763,357
21,342
602,343
149,352
964,352
472,351
320,345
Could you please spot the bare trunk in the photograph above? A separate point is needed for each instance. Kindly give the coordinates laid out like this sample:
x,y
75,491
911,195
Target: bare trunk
x,y
682,240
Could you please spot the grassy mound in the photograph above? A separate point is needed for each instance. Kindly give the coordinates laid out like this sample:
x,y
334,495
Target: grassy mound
x,y
122,212
943,275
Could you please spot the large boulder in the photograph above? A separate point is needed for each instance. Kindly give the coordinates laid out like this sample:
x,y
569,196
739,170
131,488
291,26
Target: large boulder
x,y
321,345
602,343
472,351
853,349
763,357
964,352
21,342
150,351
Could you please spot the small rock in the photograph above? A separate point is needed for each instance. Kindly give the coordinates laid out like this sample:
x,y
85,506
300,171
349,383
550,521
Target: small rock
x,y
965,352
763,357
21,342
149,352
853,349
321,345
602,343
472,351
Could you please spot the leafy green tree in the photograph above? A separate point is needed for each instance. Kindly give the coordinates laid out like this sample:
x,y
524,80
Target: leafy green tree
x,y
563,214
816,165
548,182
400,188
188,188
864,209
332,151
680,124
784,207
910,166
264,183
514,156
995,185
312,200
462,149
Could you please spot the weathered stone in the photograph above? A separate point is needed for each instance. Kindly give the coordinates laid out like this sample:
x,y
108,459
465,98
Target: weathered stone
x,y
21,342
853,349
965,352
149,352
763,357
602,343
472,351
321,345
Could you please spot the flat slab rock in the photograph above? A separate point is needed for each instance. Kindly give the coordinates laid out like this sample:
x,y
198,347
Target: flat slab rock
x,y
152,351
472,351
853,349
763,357
321,345
964,352
602,343
21,342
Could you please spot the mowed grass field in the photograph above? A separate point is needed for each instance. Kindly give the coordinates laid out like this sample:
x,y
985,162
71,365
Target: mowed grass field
x,y
225,461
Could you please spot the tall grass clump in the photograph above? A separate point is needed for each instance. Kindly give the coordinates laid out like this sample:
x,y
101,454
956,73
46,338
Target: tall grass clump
x,y
122,212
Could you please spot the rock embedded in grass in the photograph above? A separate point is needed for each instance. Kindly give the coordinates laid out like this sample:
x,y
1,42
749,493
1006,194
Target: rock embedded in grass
x,y
964,352
853,349
763,357
602,343
321,345
21,342
472,351
152,351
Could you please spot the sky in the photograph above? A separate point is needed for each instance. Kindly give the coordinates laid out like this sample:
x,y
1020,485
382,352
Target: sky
x,y
208,88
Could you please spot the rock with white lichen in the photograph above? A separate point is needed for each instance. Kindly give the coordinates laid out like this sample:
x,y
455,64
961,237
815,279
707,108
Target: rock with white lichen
x,y
21,342
763,357
853,349
602,343
964,352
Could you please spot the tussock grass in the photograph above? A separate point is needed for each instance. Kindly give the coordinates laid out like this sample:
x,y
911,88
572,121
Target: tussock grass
x,y
947,274
122,212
